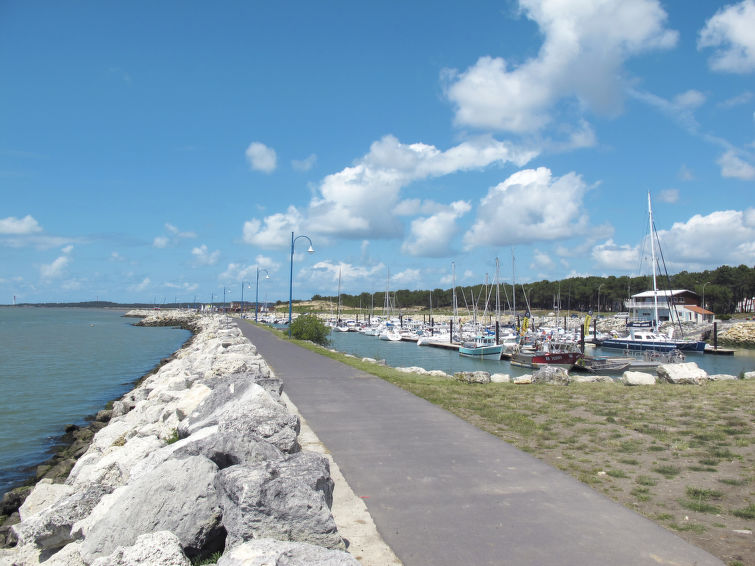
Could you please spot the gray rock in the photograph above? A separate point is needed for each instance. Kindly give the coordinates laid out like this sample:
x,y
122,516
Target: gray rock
x,y
748,375
161,548
473,376
254,413
722,377
637,378
682,374
552,375
50,529
69,555
264,552
177,496
286,500
226,449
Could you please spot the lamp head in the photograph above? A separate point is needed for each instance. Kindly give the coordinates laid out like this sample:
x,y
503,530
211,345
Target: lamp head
x,y
311,250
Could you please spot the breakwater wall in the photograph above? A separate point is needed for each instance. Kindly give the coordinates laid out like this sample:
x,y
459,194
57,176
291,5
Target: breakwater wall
x,y
201,460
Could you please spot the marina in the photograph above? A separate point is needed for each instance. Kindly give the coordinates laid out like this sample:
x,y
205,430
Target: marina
x,y
447,359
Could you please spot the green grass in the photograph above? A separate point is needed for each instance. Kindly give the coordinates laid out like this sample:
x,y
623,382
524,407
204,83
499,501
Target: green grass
x,y
667,471
646,480
746,512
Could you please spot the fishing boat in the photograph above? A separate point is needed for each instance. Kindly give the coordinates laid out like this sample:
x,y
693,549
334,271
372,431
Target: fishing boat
x,y
483,347
557,354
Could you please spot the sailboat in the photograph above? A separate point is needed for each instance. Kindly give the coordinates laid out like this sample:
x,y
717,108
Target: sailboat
x,y
649,338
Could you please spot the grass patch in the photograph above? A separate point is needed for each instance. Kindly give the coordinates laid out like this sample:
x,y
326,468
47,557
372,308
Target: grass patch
x,y
699,506
733,481
173,437
629,461
688,527
746,512
646,480
617,473
667,471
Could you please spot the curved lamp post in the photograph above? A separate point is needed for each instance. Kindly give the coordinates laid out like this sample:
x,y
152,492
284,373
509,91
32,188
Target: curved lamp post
x,y
291,275
704,284
257,294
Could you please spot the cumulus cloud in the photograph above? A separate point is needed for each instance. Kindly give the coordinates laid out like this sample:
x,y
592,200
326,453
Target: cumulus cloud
x,y
585,46
730,33
541,260
431,236
304,164
261,157
19,226
536,207
202,255
274,231
408,278
703,241
347,271
144,284
173,238
609,255
55,269
248,273
669,195
733,166
361,201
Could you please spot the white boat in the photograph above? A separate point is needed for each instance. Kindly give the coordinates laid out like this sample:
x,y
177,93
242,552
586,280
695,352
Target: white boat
x,y
483,347
390,334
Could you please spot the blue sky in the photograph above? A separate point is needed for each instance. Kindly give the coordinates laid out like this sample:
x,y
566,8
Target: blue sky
x,y
161,151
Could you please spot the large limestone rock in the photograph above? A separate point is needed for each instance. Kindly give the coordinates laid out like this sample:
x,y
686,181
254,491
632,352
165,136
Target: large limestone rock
x,y
161,548
525,379
255,413
44,494
472,376
264,552
685,373
285,500
50,529
177,496
552,375
637,378
500,378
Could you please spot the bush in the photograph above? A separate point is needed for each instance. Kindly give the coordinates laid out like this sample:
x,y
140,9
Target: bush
x,y
309,327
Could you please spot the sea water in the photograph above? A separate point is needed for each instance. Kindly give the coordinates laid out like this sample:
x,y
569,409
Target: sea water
x,y
59,366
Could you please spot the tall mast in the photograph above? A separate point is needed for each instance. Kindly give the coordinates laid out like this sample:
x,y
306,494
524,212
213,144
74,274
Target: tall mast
x,y
652,253
497,291
513,282
453,269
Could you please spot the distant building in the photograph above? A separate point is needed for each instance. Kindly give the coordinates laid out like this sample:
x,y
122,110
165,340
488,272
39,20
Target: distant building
x,y
685,303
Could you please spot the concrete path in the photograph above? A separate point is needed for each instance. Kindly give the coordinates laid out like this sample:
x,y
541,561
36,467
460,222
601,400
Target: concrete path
x,y
444,493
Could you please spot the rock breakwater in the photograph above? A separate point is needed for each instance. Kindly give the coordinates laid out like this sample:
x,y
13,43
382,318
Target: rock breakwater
x,y
201,459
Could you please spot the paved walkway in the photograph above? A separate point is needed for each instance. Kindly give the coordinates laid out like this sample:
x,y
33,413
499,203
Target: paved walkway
x,y
444,493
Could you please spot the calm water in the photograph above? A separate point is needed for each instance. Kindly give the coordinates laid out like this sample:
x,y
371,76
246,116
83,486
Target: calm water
x,y
58,366
402,354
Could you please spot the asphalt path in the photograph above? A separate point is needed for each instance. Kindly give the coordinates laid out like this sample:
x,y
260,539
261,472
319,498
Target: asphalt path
x,y
444,493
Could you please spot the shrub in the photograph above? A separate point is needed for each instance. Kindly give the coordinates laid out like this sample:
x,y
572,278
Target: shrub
x,y
309,327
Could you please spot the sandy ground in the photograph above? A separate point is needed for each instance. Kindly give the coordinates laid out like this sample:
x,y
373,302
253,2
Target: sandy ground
x,y
349,511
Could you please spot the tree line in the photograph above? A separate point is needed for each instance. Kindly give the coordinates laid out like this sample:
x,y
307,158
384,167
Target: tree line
x,y
722,289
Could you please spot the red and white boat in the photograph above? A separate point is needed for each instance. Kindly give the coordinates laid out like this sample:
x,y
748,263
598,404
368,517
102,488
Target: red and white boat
x,y
558,354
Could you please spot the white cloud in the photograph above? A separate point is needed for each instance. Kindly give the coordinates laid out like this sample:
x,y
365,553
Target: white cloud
x,y
115,256
362,200
276,231
19,226
431,236
67,249
685,174
261,157
730,33
612,256
174,237
733,166
535,206
407,278
55,269
348,271
248,273
145,283
541,260
738,100
204,257
304,164
582,56
188,287
722,237
669,195
680,108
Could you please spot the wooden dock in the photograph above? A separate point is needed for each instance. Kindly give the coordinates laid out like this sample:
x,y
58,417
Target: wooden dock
x,y
718,351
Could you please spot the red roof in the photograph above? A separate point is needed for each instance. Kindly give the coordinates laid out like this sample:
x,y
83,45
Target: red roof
x,y
698,310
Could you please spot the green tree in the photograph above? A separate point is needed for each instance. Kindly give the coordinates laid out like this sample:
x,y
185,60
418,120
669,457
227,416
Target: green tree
x,y
309,327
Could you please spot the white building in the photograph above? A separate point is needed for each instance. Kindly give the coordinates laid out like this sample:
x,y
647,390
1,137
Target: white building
x,y
684,304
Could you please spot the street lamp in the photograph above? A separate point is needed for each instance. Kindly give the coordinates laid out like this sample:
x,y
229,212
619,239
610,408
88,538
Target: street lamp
x,y
704,284
291,276
257,293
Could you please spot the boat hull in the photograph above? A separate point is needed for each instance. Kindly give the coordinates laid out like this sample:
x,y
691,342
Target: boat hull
x,y
482,352
657,345
541,359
